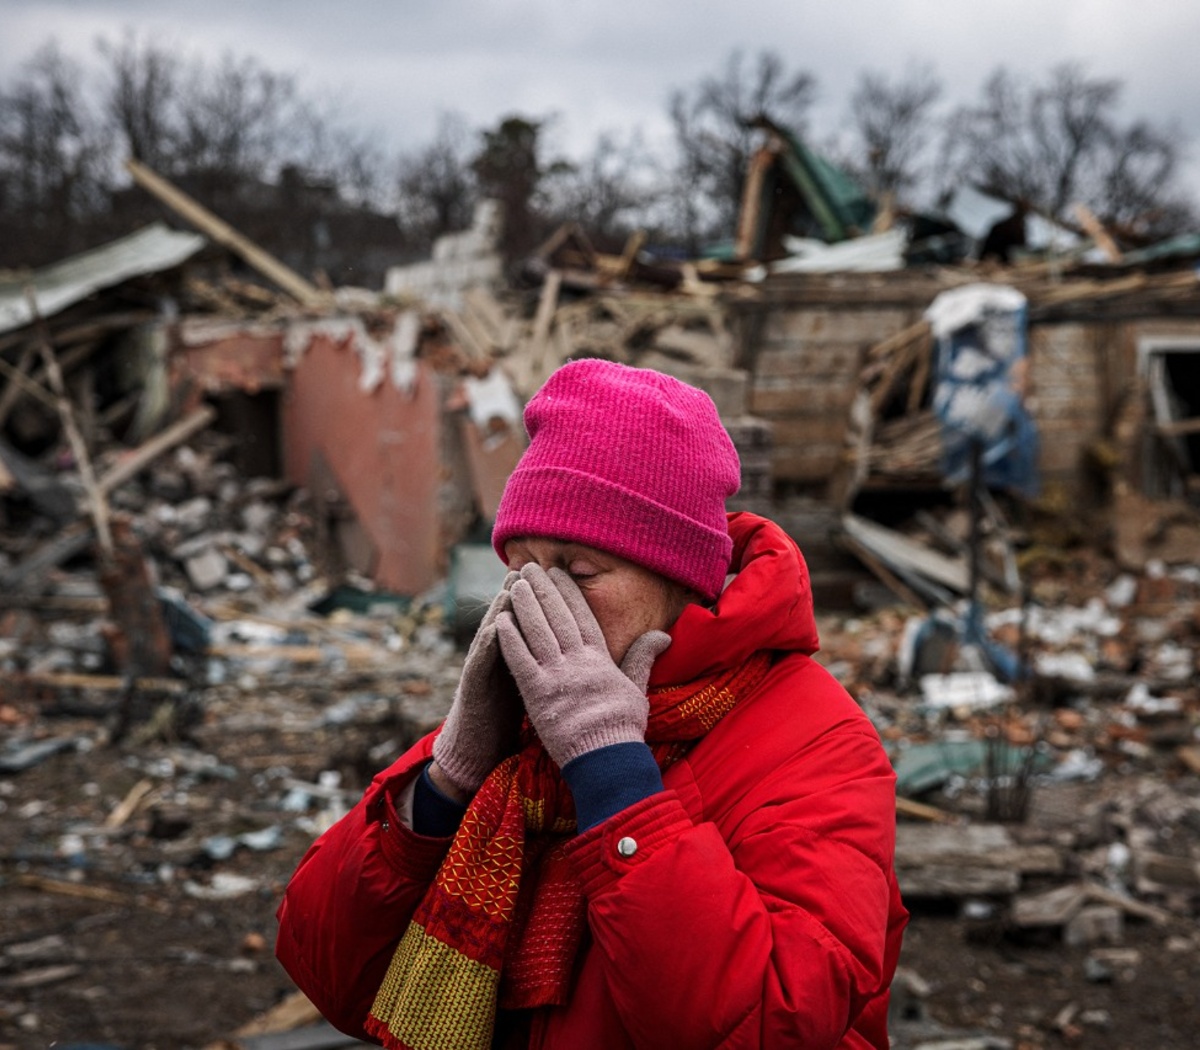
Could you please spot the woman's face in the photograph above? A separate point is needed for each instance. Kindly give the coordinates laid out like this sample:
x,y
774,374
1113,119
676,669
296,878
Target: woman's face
x,y
626,599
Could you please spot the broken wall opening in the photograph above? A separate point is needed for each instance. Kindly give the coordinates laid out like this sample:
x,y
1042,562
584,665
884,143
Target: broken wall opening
x,y
1172,451
254,420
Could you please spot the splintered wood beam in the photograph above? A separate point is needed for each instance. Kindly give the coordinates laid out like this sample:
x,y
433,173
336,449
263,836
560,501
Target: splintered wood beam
x,y
1095,229
899,340
749,214
547,304
220,231
76,537
67,360
156,446
97,504
23,384
1179,427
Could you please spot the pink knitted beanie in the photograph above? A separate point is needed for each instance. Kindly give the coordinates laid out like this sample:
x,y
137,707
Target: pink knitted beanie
x,y
629,461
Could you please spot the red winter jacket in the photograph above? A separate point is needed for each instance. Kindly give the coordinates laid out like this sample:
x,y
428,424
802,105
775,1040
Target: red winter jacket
x,y
760,908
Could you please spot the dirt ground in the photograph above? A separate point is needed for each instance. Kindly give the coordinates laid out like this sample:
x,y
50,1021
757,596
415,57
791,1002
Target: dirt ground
x,y
139,879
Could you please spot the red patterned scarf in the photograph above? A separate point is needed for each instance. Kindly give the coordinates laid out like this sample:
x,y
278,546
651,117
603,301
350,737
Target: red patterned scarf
x,y
503,919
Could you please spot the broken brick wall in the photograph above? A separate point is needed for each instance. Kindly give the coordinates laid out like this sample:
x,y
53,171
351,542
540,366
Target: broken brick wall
x,y
1070,392
371,458
1094,400
805,342
357,429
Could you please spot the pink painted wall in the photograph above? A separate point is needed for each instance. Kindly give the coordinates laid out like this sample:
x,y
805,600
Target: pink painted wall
x,y
383,448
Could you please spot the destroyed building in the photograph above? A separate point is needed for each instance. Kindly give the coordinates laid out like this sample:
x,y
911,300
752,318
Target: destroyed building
x,y
243,515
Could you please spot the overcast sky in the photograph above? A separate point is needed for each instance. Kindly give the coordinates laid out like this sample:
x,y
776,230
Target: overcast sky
x,y
395,65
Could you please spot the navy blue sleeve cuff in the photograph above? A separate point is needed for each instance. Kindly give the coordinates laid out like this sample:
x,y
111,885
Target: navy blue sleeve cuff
x,y
434,814
609,779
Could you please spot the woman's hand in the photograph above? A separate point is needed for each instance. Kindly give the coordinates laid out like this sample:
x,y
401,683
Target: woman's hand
x,y
576,697
485,718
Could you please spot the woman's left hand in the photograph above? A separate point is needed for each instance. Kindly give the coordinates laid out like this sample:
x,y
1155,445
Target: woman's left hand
x,y
576,697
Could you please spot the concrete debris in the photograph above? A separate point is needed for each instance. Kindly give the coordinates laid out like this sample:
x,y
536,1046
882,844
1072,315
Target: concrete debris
x,y
963,691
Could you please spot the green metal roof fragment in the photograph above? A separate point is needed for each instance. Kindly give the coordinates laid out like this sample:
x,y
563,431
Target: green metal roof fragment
x,y
835,199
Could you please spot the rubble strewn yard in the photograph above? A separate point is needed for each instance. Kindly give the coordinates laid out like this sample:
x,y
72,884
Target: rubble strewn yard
x,y
141,869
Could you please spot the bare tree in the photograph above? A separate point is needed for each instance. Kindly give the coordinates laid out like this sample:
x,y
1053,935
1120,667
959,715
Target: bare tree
x,y
892,128
1138,182
241,137
235,119
436,187
1062,142
714,142
142,99
50,160
611,191
510,168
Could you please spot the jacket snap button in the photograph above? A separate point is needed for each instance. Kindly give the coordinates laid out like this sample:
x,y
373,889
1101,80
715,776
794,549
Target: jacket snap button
x,y
627,847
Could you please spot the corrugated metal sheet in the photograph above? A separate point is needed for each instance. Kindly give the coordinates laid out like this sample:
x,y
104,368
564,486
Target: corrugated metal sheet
x,y
975,213
59,285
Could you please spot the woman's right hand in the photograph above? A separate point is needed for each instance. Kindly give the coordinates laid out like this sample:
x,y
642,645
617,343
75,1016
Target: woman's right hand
x,y
485,718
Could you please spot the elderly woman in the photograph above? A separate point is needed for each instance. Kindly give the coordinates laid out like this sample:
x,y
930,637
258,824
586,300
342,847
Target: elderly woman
x,y
650,819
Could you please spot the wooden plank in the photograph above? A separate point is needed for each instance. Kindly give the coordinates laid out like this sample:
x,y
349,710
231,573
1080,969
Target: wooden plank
x,y
749,215
920,377
162,442
901,553
71,889
925,845
914,333
123,810
294,1011
907,807
829,401
17,377
1149,912
944,881
1094,228
888,578
490,316
99,682
547,304
66,360
1190,757
97,504
803,362
897,365
1179,427
802,465
809,431
472,342
864,326
972,846
1053,907
220,231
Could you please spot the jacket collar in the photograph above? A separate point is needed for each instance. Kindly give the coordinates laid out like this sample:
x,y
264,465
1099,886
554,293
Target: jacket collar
x,y
767,604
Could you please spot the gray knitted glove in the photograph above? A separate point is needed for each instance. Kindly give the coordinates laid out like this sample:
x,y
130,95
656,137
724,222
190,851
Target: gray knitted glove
x,y
576,697
485,718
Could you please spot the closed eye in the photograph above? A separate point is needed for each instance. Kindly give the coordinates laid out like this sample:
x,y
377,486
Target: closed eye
x,y
581,570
